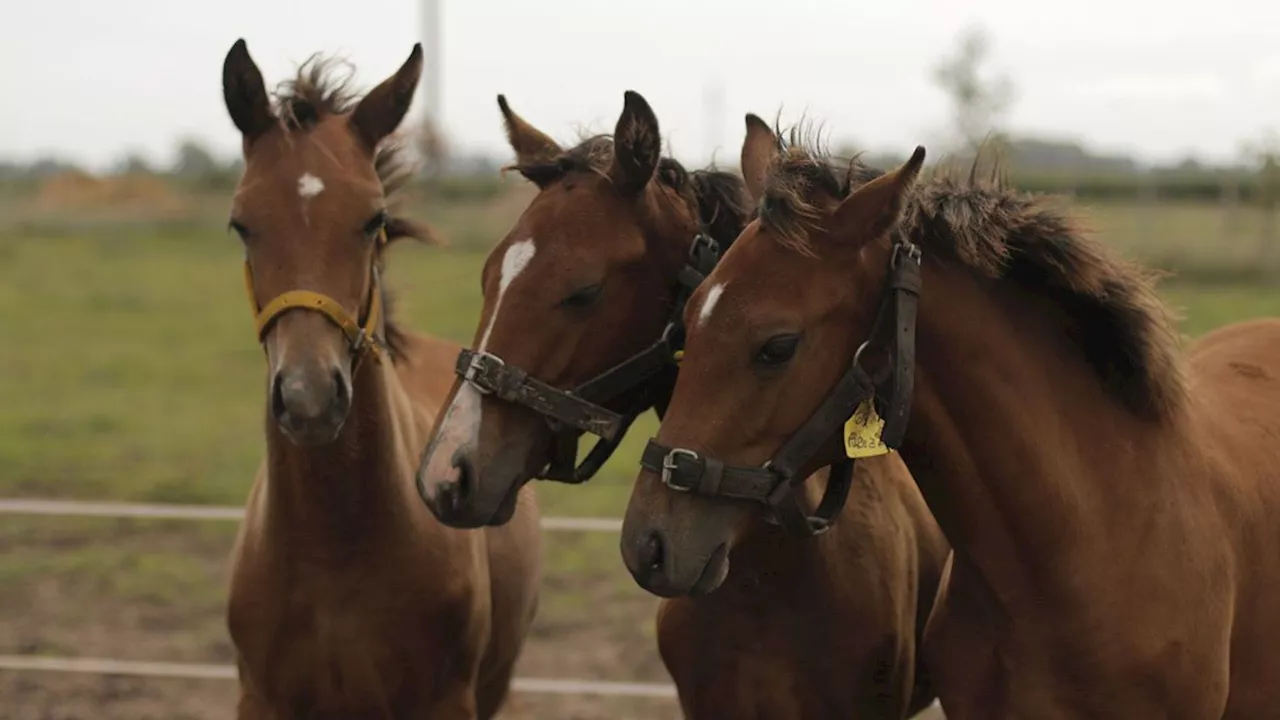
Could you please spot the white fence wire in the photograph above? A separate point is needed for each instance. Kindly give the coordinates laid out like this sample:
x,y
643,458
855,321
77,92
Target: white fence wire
x,y
203,671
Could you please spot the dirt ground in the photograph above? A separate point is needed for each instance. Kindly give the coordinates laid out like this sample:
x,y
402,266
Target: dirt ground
x,y
153,591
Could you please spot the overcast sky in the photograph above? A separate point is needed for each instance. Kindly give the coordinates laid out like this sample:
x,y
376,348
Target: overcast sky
x,y
90,79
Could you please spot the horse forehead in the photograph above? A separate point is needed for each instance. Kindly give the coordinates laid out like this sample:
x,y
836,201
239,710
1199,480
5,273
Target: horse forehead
x,y
326,155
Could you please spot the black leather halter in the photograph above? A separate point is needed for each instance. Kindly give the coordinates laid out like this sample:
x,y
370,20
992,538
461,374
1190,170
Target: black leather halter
x,y
775,482
607,404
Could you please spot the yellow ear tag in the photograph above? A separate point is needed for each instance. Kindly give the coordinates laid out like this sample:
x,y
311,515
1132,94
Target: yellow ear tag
x,y
677,356
862,432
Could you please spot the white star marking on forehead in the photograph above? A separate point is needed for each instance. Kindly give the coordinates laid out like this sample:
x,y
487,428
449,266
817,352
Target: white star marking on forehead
x,y
309,186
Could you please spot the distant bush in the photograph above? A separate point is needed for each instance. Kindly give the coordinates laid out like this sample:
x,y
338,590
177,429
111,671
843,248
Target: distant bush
x,y
472,188
1133,187
1118,187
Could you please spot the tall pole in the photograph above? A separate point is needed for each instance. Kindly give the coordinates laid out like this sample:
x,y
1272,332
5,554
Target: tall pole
x,y
431,61
433,137
712,116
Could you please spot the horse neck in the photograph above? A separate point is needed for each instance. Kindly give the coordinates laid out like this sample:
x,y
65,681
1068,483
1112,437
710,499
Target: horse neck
x,y
1019,451
352,489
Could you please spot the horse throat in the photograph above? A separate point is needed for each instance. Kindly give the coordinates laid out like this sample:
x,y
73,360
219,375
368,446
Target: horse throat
x,y
345,492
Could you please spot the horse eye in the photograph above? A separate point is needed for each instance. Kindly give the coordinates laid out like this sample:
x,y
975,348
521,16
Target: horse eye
x,y
375,224
583,297
778,350
239,229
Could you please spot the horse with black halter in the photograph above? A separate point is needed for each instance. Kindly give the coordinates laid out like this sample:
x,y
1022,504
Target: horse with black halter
x,y
582,325
1111,500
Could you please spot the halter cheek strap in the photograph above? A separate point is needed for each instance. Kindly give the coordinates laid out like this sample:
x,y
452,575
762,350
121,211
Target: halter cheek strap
x,y
360,338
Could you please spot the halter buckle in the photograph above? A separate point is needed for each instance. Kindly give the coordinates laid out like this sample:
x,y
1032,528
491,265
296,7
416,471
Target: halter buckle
x,y
905,248
474,368
669,466
703,240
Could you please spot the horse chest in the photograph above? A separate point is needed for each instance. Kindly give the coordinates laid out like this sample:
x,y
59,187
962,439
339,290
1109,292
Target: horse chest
x,y
783,664
347,647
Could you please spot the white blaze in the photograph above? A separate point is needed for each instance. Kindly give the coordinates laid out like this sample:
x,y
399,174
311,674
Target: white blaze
x,y
709,303
462,420
514,262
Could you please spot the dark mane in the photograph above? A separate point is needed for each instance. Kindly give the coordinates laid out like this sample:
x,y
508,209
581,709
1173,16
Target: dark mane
x,y
724,206
1108,306
798,179
320,89
721,198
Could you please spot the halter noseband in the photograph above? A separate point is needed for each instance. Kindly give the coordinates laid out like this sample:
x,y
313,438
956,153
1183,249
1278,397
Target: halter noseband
x,y
774,483
361,337
570,413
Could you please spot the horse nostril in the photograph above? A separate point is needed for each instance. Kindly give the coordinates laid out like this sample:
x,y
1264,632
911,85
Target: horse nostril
x,y
341,390
277,398
466,475
655,551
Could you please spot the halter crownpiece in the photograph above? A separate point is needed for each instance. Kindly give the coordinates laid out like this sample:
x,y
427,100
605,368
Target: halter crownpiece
x,y
361,338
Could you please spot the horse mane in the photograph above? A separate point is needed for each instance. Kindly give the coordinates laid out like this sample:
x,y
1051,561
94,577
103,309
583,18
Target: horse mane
x,y
802,173
1108,307
322,88
720,197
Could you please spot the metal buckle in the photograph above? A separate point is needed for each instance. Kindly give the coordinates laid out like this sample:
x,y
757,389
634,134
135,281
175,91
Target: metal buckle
x,y
703,240
904,248
669,465
358,344
473,369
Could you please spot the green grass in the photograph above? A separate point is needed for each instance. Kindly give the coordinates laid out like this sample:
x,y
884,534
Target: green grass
x,y
129,370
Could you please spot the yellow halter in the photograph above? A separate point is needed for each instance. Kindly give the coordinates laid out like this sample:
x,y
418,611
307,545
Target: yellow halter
x,y
362,338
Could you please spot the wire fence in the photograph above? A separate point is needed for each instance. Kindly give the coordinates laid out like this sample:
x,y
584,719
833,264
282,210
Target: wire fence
x,y
208,671
203,671
150,511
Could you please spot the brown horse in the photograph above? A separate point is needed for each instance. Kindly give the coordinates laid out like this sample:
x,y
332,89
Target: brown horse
x,y
347,599
1111,504
585,283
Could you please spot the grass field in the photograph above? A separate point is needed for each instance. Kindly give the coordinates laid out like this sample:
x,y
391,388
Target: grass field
x,y
128,370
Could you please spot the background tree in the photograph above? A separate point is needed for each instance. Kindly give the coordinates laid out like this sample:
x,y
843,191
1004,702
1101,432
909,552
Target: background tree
x,y
979,99
1263,154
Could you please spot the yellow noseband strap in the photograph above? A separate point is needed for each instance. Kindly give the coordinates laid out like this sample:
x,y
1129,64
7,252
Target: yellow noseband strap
x,y
362,339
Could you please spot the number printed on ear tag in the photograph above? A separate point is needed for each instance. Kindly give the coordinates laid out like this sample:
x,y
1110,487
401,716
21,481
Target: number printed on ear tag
x,y
862,433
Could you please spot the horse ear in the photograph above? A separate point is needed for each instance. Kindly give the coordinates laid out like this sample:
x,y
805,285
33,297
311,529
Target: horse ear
x,y
532,146
637,145
758,150
874,209
245,93
380,112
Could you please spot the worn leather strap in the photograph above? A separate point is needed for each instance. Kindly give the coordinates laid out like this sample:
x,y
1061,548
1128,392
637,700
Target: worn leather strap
x,y
489,374
683,471
904,285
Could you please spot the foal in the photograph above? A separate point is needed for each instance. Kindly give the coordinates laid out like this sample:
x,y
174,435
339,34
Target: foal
x,y
347,599
585,282
1112,504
